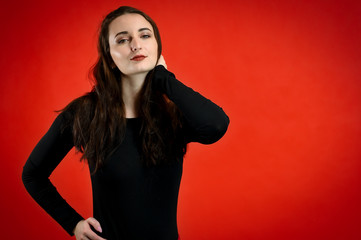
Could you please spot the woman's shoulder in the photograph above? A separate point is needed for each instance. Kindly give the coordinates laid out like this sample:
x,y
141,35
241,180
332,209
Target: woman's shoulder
x,y
81,106
86,101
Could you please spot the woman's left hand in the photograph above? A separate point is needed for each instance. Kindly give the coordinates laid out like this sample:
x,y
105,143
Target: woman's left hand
x,y
161,61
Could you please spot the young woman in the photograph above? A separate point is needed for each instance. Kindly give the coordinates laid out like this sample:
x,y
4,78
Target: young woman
x,y
132,129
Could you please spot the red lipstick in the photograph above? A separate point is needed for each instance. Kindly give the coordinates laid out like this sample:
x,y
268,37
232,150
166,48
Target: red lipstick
x,y
138,58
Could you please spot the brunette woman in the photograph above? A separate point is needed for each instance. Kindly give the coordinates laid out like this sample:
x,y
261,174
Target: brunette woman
x,y
132,129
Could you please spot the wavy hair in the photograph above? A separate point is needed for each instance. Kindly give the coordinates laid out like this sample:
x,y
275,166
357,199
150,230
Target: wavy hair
x,y
98,118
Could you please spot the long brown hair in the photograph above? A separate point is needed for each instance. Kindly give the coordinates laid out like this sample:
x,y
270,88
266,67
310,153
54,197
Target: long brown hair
x,y
98,118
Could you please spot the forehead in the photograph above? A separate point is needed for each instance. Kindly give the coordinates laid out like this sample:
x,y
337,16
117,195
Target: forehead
x,y
128,22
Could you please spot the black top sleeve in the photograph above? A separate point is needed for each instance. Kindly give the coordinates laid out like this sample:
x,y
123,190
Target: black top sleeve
x,y
206,121
45,157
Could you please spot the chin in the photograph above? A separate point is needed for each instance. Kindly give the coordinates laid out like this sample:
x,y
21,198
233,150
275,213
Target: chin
x,y
138,68
144,69
139,71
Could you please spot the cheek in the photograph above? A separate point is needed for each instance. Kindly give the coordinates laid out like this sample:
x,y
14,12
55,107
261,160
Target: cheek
x,y
116,57
155,50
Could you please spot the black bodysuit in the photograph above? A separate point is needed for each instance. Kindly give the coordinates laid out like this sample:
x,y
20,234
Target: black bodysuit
x,y
130,200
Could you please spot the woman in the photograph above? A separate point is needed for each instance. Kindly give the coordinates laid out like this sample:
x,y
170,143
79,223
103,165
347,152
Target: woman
x,y
132,129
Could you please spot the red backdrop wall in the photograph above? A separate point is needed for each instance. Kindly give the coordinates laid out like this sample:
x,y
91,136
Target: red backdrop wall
x,y
286,72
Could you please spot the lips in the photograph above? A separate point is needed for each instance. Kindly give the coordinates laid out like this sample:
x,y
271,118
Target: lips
x,y
138,58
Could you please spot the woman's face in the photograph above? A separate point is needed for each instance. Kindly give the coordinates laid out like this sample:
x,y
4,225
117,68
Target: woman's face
x,y
132,44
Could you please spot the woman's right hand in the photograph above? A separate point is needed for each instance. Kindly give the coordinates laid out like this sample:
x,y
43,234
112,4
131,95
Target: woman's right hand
x,y
82,230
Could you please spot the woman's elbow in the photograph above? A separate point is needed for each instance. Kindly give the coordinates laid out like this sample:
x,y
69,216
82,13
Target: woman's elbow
x,y
216,131
29,175
26,176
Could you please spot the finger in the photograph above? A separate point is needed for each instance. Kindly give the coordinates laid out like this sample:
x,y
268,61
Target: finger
x,y
162,62
93,236
95,224
161,59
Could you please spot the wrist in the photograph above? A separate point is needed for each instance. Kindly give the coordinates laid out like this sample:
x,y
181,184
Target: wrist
x,y
160,77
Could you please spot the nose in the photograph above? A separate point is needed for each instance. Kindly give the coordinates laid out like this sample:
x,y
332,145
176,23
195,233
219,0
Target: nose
x,y
135,45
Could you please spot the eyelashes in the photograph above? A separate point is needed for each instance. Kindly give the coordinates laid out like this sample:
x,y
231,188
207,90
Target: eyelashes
x,y
124,40
121,41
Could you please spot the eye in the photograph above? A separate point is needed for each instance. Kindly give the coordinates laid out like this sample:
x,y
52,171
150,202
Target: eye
x,y
122,40
145,36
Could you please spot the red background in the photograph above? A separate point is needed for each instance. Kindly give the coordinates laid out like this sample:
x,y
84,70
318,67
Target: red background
x,y
286,72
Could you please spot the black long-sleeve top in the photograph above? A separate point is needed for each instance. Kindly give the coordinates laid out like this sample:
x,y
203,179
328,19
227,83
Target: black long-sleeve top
x,y
130,200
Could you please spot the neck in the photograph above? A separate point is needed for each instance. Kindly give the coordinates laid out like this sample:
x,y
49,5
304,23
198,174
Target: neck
x,y
131,87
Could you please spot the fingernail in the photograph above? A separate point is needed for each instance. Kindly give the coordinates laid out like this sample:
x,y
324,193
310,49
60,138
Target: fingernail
x,y
100,229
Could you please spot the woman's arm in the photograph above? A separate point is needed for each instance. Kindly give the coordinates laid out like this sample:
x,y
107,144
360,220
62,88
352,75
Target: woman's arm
x,y
207,121
45,157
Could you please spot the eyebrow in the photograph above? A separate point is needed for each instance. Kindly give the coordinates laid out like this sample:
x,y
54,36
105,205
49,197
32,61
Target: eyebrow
x,y
126,32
